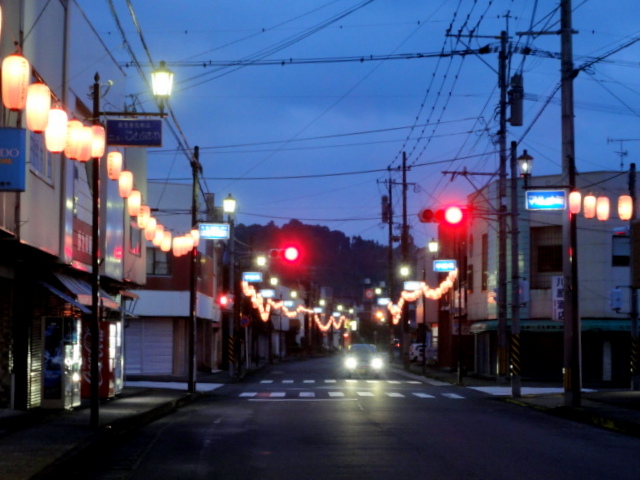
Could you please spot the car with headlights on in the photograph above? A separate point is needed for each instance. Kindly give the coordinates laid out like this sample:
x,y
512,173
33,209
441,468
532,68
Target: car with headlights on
x,y
363,360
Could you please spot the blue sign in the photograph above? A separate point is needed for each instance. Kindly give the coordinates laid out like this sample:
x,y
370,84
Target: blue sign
x,y
544,200
214,231
134,133
250,277
444,265
13,164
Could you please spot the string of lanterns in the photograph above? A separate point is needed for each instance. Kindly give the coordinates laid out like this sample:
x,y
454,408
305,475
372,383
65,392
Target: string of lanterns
x,y
81,143
599,207
266,305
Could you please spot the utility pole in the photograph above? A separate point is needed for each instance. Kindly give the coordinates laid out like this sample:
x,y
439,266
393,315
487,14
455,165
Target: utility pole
x,y
503,351
391,267
193,274
404,244
572,324
635,341
515,280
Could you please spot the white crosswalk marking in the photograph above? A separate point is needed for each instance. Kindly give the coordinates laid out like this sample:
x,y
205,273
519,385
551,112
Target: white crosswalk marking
x,y
452,395
309,381
266,381
287,381
307,395
248,394
329,381
394,382
365,394
395,395
278,394
336,394
423,395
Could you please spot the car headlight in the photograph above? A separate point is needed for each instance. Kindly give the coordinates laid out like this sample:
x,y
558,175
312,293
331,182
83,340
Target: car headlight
x,y
350,362
377,363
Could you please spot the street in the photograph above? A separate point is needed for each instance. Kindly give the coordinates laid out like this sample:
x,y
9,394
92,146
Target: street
x,y
305,420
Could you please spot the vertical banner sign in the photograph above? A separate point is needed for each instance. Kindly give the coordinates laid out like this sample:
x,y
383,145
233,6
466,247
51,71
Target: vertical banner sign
x,y
557,298
13,161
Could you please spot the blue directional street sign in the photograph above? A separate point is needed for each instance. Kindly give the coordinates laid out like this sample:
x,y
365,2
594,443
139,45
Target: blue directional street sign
x,y
213,231
544,200
444,265
252,277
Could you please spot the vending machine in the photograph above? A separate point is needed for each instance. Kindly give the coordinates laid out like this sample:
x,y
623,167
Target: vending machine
x,y
61,362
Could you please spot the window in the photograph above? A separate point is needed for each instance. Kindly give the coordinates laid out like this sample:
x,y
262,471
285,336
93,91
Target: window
x,y
135,239
158,262
485,262
546,255
621,251
40,159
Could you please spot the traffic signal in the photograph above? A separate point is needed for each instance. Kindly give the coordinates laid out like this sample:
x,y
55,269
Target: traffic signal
x,y
225,301
451,215
290,254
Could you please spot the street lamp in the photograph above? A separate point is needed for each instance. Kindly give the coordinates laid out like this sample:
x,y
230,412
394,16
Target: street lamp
x,y
525,165
163,84
229,207
433,246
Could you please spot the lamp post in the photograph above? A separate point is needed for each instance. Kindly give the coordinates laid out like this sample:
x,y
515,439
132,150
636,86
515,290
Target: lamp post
x,y
229,207
162,80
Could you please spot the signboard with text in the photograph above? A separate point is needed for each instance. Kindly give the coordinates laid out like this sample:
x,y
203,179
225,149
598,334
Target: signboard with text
x,y
13,164
444,265
213,231
544,200
134,133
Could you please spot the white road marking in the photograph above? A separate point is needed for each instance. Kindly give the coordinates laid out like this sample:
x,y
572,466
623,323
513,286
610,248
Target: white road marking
x,y
452,395
266,381
278,394
423,395
307,394
365,394
287,381
249,394
395,395
336,394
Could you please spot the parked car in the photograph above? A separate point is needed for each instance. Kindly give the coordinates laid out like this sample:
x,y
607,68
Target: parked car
x,y
363,360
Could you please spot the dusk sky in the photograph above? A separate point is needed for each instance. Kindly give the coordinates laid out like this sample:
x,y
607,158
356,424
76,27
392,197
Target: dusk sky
x,y
314,139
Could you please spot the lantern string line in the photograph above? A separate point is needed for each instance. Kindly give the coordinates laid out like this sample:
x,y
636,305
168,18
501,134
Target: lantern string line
x,y
265,306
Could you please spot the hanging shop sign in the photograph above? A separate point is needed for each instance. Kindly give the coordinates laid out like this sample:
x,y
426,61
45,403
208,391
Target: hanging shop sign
x,y
134,133
13,159
544,200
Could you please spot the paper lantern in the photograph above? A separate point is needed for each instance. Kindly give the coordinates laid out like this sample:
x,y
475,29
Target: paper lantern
x,y
144,215
625,207
195,234
165,245
15,81
177,248
86,144
114,165
74,139
38,106
589,205
55,135
125,183
159,236
575,201
150,229
602,208
133,202
98,141
188,242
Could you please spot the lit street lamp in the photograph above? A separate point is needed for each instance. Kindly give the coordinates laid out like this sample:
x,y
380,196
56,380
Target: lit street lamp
x,y
229,207
162,81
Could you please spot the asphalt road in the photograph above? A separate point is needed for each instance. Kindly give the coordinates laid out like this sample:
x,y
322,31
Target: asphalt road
x,y
305,420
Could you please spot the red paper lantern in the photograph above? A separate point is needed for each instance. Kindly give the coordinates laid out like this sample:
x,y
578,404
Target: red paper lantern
x,y
15,81
38,106
55,135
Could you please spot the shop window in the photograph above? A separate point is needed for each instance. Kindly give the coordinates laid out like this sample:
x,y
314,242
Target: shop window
x,y
546,255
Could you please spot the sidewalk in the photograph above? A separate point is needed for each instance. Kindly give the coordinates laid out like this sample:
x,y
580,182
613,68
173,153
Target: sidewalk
x,y
46,444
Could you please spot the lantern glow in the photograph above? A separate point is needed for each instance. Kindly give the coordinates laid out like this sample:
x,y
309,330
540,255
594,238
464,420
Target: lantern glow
x,y
625,207
114,165
165,245
602,208
98,141
589,205
15,81
38,106
125,183
144,215
150,229
133,202
55,135
74,139
575,202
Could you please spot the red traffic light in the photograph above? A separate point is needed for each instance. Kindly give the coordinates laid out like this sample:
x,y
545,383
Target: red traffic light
x,y
225,300
453,215
291,254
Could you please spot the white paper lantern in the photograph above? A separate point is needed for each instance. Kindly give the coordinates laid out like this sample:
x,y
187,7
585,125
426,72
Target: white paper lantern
x,y
133,202
16,73
125,183
602,208
38,106
55,135
114,165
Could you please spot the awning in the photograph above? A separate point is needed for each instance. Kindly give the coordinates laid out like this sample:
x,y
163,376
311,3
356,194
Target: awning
x,y
83,292
65,297
587,324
